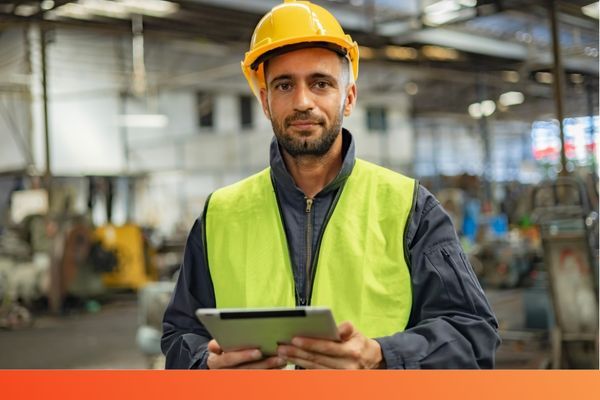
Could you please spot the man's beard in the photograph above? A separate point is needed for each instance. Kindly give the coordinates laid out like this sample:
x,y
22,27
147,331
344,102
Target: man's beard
x,y
300,143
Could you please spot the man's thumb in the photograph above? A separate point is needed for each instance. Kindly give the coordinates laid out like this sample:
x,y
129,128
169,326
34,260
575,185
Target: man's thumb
x,y
345,330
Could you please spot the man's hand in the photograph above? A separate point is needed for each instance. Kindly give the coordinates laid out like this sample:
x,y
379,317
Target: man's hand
x,y
355,351
243,359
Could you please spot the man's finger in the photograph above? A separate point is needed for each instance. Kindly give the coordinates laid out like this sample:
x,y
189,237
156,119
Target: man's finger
x,y
292,354
322,346
268,363
232,359
305,363
214,347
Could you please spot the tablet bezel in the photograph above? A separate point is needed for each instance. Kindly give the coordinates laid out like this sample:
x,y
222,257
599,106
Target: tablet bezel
x,y
264,328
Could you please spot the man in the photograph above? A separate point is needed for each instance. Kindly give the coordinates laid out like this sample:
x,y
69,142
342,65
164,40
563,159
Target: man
x,y
320,227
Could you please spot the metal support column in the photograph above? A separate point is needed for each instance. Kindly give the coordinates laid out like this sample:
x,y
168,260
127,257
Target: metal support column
x,y
55,290
48,169
487,152
558,83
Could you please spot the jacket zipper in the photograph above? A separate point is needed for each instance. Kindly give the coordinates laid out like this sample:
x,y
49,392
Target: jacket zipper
x,y
454,268
309,229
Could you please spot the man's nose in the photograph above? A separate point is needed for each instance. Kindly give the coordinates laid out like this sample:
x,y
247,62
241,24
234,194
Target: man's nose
x,y
303,100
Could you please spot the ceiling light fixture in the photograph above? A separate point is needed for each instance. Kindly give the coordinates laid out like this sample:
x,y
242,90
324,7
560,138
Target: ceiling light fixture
x,y
544,77
367,53
47,5
483,109
440,53
475,110
442,7
511,98
26,10
488,107
445,11
591,10
121,9
577,79
401,53
511,76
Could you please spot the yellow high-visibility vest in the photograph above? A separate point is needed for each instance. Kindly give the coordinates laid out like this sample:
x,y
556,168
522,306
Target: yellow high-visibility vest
x,y
361,273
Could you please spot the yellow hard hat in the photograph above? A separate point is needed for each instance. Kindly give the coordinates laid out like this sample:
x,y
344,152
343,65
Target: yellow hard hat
x,y
294,25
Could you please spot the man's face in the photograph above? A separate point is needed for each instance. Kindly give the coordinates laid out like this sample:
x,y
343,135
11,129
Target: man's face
x,y
306,99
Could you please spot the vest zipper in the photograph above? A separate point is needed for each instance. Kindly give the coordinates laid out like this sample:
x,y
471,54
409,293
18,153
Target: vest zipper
x,y
309,228
315,261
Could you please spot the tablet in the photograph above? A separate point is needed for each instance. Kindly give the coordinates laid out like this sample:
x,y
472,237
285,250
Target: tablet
x,y
264,328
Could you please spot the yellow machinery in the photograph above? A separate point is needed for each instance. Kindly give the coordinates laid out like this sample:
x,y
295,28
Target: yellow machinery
x,y
135,266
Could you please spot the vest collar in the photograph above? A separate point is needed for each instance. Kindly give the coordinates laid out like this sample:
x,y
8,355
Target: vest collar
x,y
284,180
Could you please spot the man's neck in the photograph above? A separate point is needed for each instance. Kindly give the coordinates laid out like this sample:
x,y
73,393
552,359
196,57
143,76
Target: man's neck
x,y
312,173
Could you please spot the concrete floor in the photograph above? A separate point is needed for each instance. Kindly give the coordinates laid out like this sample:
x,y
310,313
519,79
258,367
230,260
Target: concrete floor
x,y
102,340
106,339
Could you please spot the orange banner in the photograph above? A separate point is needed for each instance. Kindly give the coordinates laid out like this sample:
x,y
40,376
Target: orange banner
x,y
301,385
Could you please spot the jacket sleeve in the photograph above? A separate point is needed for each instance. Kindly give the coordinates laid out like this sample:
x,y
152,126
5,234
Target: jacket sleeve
x,y
451,323
185,339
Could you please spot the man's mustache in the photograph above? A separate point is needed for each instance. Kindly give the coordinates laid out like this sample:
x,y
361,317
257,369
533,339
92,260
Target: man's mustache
x,y
303,116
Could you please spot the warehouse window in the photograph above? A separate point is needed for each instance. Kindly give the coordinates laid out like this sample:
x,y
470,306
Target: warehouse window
x,y
246,112
206,106
376,119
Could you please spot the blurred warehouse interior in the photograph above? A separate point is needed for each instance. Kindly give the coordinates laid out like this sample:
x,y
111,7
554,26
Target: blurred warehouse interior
x,y
118,119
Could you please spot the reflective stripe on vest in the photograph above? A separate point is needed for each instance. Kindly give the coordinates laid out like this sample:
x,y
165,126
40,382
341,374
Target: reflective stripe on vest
x,y
361,274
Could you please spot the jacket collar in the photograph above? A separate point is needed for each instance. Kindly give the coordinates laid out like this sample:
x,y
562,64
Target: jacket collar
x,y
284,180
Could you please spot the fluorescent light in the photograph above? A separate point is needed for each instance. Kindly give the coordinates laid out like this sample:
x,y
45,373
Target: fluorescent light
x,y
483,109
121,9
511,98
86,9
401,53
577,79
439,19
47,5
143,120
511,76
366,53
26,10
591,10
488,107
442,7
544,77
105,8
155,8
475,110
440,53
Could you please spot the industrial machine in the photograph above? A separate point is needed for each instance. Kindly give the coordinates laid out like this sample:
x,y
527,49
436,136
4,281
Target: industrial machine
x,y
569,238
135,265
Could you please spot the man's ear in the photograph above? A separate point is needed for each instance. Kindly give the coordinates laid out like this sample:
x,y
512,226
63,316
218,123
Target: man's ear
x,y
350,100
264,101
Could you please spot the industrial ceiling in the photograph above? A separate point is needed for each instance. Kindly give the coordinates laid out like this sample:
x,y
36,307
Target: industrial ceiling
x,y
450,52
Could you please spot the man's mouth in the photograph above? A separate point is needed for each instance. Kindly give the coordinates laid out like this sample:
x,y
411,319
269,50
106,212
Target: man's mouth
x,y
304,124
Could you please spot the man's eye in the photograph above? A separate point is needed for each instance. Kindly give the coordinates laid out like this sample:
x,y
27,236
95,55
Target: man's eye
x,y
284,86
322,84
